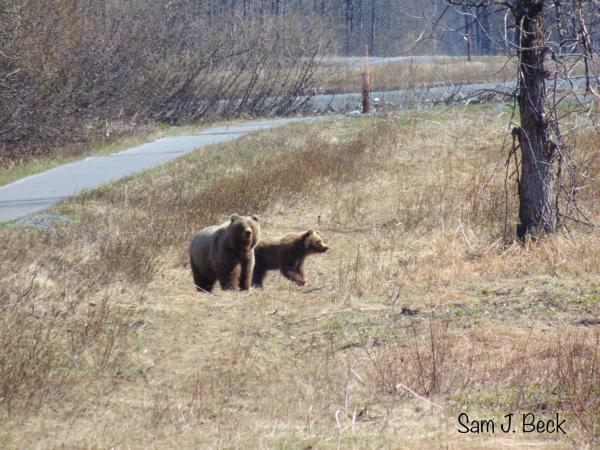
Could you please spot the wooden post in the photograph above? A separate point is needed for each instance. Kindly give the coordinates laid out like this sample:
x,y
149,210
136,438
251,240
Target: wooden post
x,y
366,84
365,92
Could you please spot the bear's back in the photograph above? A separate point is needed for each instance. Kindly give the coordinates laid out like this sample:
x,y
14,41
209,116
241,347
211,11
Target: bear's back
x,y
203,241
273,253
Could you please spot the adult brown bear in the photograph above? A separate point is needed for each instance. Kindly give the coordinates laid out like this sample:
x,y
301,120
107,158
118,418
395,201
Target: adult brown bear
x,y
225,253
286,254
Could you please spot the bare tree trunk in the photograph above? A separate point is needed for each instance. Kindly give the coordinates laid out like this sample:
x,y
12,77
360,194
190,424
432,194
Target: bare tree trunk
x,y
477,27
467,33
372,28
484,23
468,38
349,12
537,209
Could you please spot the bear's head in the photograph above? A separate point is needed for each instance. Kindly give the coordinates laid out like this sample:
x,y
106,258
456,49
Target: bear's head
x,y
245,231
313,242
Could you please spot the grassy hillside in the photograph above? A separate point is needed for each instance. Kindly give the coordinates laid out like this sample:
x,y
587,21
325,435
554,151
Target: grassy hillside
x,y
422,309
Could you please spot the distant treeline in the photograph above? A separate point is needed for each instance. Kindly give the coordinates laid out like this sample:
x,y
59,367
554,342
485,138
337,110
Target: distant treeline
x,y
389,27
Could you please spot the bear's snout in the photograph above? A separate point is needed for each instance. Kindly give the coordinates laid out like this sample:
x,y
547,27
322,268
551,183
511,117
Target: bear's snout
x,y
247,234
323,249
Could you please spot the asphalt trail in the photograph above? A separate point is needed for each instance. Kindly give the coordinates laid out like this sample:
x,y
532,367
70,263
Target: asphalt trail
x,y
41,191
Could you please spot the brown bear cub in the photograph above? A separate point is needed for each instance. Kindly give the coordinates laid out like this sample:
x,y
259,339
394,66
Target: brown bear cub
x,y
286,254
225,253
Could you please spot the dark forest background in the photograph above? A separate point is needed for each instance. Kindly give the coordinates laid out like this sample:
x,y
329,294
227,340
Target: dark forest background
x,y
389,27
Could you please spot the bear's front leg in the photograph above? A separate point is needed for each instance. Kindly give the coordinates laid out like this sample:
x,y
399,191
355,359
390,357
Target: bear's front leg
x,y
247,267
293,276
230,280
300,272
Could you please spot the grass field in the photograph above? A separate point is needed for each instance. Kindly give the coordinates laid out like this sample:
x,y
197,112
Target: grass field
x,y
337,77
423,308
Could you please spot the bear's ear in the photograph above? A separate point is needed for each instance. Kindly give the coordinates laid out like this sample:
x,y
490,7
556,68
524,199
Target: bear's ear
x,y
308,233
255,218
234,217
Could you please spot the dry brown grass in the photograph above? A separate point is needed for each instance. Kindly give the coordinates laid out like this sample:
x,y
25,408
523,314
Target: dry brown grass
x,y
338,78
420,290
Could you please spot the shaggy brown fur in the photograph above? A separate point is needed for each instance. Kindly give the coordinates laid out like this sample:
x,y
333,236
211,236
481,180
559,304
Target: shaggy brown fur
x,y
286,254
225,253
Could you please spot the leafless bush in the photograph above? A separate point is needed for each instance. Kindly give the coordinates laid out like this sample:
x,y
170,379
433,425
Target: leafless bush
x,y
47,337
68,69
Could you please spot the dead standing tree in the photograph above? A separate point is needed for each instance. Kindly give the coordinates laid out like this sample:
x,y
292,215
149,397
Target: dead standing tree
x,y
537,206
567,44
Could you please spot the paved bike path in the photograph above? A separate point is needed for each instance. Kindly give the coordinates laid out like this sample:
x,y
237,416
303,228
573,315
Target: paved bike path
x,y
38,192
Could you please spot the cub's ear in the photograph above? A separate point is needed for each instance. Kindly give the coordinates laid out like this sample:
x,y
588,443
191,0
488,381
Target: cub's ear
x,y
308,233
255,218
234,217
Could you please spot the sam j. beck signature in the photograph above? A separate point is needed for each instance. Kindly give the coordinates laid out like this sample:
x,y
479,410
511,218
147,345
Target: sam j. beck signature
x,y
527,421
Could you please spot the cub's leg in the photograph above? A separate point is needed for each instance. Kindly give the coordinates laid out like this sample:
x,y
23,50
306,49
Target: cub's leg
x,y
301,274
258,276
293,276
